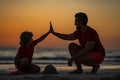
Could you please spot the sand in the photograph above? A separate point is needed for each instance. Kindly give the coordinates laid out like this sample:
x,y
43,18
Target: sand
x,y
106,72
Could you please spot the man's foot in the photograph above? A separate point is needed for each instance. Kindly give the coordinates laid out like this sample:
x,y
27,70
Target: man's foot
x,y
16,72
95,69
76,72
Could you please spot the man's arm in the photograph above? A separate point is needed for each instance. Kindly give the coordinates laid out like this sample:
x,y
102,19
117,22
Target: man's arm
x,y
62,36
86,50
65,36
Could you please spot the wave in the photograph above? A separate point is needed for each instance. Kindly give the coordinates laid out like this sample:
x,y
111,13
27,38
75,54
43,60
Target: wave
x,y
41,58
107,59
46,54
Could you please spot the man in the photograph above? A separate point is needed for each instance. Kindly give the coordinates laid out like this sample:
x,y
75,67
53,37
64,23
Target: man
x,y
90,52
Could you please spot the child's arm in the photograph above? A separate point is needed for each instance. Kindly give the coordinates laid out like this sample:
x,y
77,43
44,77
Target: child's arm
x,y
43,36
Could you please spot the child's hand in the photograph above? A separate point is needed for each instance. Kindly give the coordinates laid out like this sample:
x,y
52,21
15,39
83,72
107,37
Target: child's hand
x,y
51,28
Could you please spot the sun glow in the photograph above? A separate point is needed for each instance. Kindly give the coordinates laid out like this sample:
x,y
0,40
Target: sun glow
x,y
17,16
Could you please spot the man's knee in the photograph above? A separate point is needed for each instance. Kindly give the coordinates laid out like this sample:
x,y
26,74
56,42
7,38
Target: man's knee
x,y
72,45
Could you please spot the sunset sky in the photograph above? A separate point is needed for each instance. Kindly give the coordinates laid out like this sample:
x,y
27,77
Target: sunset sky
x,y
17,16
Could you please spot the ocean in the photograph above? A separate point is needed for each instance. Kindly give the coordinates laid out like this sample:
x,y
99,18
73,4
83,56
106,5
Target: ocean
x,y
52,56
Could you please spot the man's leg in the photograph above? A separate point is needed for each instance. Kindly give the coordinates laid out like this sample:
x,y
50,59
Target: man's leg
x,y
86,60
74,49
95,68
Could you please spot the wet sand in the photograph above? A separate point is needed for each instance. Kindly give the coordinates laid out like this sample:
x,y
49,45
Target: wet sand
x,y
106,72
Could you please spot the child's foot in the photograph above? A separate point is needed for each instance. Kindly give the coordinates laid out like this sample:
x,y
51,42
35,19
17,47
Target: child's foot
x,y
95,69
76,72
16,72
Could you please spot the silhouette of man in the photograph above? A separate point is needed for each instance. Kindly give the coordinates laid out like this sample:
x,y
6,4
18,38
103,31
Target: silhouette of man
x,y
90,51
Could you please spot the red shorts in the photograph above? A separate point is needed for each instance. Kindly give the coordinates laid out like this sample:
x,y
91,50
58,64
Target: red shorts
x,y
97,57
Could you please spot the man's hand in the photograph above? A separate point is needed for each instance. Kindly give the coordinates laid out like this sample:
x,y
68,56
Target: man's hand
x,y
51,28
70,62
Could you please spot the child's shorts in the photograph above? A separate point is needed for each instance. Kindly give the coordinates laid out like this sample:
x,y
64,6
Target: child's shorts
x,y
97,57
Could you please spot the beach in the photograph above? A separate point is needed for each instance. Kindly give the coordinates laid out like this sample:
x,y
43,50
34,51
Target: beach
x,y
109,70
106,72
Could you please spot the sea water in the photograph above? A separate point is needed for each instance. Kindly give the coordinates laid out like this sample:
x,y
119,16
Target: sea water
x,y
52,55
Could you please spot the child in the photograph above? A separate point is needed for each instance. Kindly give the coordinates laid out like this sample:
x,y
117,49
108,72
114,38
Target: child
x,y
23,59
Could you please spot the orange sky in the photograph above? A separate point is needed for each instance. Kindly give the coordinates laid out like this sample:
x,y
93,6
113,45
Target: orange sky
x,y
17,16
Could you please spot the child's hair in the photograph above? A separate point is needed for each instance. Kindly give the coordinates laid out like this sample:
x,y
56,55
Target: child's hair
x,y
25,37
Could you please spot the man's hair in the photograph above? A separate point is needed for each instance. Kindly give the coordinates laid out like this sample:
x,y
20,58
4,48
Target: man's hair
x,y
25,37
82,16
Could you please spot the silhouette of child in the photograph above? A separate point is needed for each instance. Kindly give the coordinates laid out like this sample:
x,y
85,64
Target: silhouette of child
x,y
23,59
